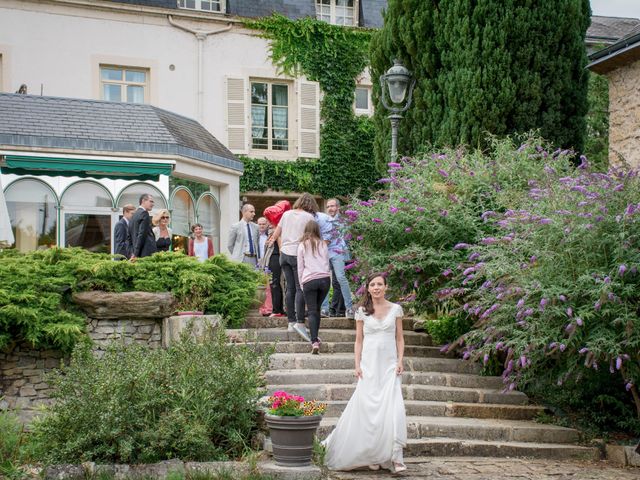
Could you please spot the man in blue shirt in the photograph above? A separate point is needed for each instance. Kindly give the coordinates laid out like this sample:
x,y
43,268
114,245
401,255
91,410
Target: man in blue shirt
x,y
330,228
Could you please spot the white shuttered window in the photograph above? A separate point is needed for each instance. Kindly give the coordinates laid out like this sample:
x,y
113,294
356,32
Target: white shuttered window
x,y
236,115
309,119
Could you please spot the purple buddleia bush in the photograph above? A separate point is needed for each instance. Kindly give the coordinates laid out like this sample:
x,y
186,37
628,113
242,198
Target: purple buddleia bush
x,y
430,208
556,291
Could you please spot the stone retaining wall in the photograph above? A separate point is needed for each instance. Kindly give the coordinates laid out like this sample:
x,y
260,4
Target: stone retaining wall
x,y
133,317
22,385
144,331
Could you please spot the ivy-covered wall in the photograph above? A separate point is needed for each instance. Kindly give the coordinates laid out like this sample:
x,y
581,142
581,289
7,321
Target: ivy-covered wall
x,y
333,56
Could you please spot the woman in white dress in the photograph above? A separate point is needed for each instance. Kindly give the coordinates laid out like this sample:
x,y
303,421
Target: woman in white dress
x,y
372,430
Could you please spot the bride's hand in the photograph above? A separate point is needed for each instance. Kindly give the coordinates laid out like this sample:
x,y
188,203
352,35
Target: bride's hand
x,y
358,372
399,368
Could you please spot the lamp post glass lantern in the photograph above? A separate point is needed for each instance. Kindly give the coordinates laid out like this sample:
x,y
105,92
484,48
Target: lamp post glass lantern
x,y
396,85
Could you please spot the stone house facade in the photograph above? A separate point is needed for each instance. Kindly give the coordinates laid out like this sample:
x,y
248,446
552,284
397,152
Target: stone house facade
x,y
620,63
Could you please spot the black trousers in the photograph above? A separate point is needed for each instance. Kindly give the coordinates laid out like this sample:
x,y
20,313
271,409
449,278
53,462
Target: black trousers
x,y
276,287
314,293
294,297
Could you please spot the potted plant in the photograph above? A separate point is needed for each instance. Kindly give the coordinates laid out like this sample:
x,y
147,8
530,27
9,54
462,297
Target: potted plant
x,y
261,288
292,423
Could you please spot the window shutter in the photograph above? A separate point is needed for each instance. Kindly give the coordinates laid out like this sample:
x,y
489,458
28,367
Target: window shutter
x,y
309,119
236,115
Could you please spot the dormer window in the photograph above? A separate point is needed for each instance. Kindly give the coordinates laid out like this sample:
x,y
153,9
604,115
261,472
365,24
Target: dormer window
x,y
202,5
337,12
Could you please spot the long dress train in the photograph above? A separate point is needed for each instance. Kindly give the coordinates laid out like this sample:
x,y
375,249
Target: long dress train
x,y
372,429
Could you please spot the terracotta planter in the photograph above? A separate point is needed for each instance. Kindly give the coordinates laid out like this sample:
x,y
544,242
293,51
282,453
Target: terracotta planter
x,y
292,439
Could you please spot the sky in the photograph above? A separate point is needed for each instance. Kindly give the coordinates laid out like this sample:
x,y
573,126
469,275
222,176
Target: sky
x,y
616,8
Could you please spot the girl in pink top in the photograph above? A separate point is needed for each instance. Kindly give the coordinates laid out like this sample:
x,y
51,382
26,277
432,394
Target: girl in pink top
x,y
314,275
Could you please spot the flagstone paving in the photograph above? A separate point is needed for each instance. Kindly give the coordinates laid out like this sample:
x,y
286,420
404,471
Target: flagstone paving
x,y
478,468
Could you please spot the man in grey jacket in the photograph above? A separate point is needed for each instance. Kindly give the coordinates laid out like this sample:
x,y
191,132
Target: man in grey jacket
x,y
243,237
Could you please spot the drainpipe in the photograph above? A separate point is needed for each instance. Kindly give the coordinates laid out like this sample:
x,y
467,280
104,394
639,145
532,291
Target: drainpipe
x,y
201,36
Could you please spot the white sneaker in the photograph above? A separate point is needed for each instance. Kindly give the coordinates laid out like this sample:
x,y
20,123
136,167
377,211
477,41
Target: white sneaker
x,y
349,313
302,331
290,328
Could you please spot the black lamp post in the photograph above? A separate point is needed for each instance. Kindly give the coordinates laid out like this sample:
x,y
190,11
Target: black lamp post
x,y
397,84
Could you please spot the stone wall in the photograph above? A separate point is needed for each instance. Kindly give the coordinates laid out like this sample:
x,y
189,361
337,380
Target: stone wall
x,y
138,317
624,115
22,372
144,331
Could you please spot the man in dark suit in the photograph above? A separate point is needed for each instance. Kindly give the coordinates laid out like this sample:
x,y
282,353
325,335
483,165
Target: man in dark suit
x,y
122,235
142,238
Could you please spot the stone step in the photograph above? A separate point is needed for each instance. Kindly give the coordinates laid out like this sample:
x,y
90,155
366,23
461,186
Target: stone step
x,y
417,408
299,376
346,347
410,392
487,429
453,447
341,323
326,335
344,361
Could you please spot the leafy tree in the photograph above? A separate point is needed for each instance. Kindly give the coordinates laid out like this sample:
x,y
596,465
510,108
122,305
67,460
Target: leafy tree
x,y
486,66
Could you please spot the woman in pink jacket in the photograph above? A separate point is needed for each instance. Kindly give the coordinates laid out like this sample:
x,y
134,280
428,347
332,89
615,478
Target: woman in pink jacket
x,y
315,276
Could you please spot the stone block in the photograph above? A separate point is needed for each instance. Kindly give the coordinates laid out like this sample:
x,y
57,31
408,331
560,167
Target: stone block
x,y
172,327
26,362
41,386
633,458
616,454
145,328
28,391
131,305
64,472
19,383
27,372
272,470
22,402
52,363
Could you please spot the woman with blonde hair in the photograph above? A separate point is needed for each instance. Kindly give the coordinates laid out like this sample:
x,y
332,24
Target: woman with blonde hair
x,y
314,275
161,230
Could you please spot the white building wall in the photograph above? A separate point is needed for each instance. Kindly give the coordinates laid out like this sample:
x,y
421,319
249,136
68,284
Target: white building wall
x,y
57,47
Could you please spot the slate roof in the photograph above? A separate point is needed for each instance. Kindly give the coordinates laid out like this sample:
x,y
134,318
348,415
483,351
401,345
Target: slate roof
x,y
370,10
609,30
54,122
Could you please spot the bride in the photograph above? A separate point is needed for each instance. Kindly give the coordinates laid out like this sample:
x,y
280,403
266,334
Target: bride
x,y
372,429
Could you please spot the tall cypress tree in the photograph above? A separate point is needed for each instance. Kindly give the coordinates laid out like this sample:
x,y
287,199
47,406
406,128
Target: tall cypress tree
x,y
486,66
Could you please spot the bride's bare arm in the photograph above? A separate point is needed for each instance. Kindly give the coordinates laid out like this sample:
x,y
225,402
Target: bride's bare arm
x,y
358,346
399,345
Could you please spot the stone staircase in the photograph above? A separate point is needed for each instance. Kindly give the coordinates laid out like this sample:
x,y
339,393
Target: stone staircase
x,y
451,409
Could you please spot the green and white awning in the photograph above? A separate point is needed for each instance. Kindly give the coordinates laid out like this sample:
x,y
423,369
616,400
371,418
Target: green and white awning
x,y
86,166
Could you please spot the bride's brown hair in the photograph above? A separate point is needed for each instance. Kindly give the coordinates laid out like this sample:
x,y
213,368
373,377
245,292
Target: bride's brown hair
x,y
367,302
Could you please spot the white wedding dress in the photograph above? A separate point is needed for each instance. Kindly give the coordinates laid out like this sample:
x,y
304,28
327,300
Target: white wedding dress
x,y
372,429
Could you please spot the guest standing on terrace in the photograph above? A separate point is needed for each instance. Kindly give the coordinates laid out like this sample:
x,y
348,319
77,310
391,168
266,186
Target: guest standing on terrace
x,y
289,232
314,275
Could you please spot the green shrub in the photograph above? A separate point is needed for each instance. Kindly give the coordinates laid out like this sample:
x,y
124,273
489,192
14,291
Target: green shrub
x,y
447,328
14,446
555,289
431,204
193,401
36,288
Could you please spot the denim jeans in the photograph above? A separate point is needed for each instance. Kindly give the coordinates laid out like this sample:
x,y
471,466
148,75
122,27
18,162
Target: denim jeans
x,y
337,267
314,291
294,298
